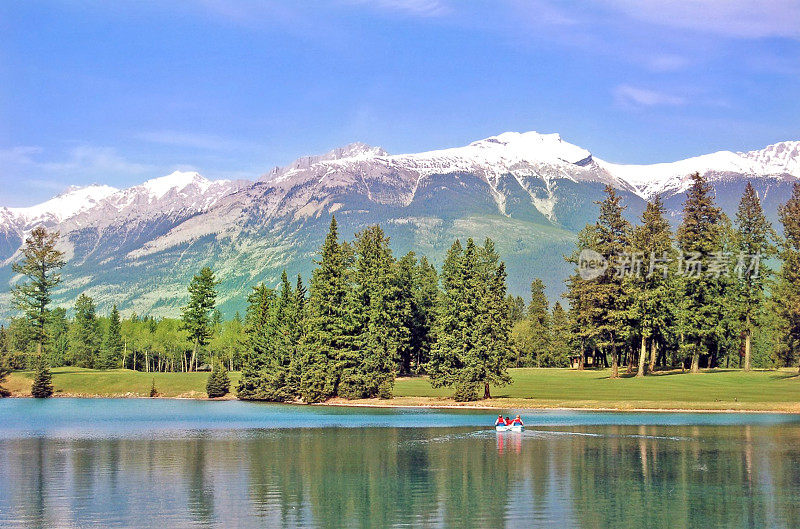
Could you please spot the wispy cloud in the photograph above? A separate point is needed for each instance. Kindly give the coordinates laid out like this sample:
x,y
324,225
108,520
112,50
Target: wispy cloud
x,y
194,140
642,97
732,18
40,173
420,8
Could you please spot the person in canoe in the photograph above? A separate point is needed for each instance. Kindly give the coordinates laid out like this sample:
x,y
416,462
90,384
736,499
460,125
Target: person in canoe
x,y
508,421
517,421
500,421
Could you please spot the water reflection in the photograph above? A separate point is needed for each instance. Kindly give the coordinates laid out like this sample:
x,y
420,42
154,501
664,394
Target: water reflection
x,y
581,476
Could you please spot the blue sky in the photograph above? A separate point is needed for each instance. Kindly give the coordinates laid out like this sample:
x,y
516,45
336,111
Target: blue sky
x,y
118,92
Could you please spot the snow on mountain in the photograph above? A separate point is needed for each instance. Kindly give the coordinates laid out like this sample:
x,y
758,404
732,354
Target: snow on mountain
x,y
69,203
783,157
778,160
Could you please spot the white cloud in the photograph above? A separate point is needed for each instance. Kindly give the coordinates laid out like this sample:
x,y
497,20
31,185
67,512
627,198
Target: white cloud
x,y
732,18
194,140
422,8
643,97
39,172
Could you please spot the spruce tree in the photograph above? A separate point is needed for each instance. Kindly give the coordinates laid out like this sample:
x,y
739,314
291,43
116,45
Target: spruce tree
x,y
426,293
788,294
539,316
40,263
700,239
560,338
278,383
85,336
57,337
260,352
42,387
370,364
404,307
473,324
113,344
452,318
195,315
754,240
607,291
218,384
650,289
493,351
583,306
329,343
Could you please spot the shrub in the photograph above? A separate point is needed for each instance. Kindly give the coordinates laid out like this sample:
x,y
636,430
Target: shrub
x,y
42,387
218,384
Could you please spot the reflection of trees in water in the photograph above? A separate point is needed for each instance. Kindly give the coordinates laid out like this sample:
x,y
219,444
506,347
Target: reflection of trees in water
x,y
714,481
361,477
380,477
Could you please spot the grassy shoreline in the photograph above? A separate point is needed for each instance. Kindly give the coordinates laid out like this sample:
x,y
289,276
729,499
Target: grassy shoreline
x,y
712,391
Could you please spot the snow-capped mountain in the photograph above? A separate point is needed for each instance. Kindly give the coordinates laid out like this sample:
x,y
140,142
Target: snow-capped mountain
x,y
777,161
530,192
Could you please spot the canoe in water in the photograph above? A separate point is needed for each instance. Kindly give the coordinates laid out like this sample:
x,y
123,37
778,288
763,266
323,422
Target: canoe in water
x,y
516,428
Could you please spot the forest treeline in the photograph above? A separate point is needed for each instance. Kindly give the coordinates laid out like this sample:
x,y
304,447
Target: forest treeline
x,y
711,294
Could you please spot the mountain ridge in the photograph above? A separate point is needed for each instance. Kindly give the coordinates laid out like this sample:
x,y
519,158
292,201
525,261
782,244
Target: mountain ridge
x,y
532,192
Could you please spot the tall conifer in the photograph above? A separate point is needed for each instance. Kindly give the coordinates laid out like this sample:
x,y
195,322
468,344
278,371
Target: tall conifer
x,y
699,238
754,241
789,286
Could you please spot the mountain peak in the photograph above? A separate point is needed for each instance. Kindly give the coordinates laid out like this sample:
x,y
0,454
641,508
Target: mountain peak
x,y
158,187
71,201
351,150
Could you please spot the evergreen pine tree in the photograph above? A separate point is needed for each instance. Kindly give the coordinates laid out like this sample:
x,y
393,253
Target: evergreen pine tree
x,y
370,364
42,387
153,390
607,291
583,310
699,239
57,337
539,316
754,241
560,337
446,357
218,384
113,344
426,293
650,289
196,314
492,353
259,355
472,324
788,294
85,337
278,383
404,307
329,343
40,262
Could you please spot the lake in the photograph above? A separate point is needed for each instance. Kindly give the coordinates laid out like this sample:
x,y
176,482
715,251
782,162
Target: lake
x,y
182,463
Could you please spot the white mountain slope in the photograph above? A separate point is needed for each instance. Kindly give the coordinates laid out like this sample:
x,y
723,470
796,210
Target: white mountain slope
x,y
774,161
69,203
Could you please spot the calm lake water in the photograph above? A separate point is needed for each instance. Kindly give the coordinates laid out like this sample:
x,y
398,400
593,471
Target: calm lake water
x,y
169,464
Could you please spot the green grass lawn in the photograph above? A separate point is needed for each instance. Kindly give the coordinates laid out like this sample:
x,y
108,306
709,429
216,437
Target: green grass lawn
x,y
566,385
778,389
117,382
